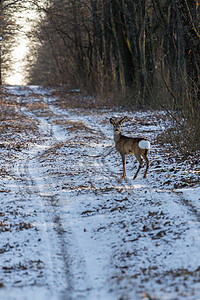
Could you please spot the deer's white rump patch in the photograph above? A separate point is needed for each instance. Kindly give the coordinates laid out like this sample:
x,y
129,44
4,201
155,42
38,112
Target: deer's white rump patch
x,y
144,144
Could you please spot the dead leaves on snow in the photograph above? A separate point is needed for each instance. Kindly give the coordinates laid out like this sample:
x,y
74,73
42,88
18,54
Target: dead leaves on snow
x,y
5,226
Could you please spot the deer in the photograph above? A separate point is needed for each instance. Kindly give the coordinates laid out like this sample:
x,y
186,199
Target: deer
x,y
137,146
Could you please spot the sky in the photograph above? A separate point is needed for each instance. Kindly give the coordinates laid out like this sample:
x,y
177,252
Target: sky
x,y
22,45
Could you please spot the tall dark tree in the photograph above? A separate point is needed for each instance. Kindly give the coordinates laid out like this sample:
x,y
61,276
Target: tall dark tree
x,y
123,43
190,24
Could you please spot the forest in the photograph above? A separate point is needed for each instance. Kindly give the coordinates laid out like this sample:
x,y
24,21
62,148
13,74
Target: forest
x,y
72,225
143,54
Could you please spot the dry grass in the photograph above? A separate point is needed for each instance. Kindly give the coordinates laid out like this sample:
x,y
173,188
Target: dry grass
x,y
38,105
16,129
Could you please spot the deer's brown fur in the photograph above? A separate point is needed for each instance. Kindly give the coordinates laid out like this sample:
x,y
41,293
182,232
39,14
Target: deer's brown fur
x,y
128,145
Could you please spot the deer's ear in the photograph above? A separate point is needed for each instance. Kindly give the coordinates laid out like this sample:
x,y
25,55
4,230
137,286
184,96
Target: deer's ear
x,y
112,121
122,120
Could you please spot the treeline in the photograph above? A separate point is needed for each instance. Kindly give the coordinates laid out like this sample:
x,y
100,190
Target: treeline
x,y
140,46
146,51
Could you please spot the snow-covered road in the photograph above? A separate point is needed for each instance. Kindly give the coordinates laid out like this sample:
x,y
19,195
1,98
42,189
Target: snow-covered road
x,y
72,229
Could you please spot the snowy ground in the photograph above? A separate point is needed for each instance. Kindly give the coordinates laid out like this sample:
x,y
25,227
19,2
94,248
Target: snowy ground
x,y
71,228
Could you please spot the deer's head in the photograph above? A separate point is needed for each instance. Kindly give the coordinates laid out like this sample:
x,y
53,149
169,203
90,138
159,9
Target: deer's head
x,y
117,125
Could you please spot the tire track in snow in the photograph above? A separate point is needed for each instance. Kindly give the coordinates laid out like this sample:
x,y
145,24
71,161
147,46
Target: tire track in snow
x,y
186,203
32,174
29,177
90,125
32,183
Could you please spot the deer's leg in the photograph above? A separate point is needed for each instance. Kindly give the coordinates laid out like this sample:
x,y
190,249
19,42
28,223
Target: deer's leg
x,y
147,163
140,164
124,165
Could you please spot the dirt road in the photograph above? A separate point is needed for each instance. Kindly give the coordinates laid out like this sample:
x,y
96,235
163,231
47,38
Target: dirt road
x,y
71,228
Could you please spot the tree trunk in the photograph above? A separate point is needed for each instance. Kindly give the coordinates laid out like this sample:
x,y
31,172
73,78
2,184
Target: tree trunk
x,y
127,59
187,10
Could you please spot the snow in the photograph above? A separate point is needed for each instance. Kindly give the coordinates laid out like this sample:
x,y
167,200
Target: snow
x,y
71,228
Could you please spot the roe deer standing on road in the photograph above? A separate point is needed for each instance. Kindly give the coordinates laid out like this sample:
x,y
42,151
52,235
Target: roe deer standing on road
x,y
127,145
